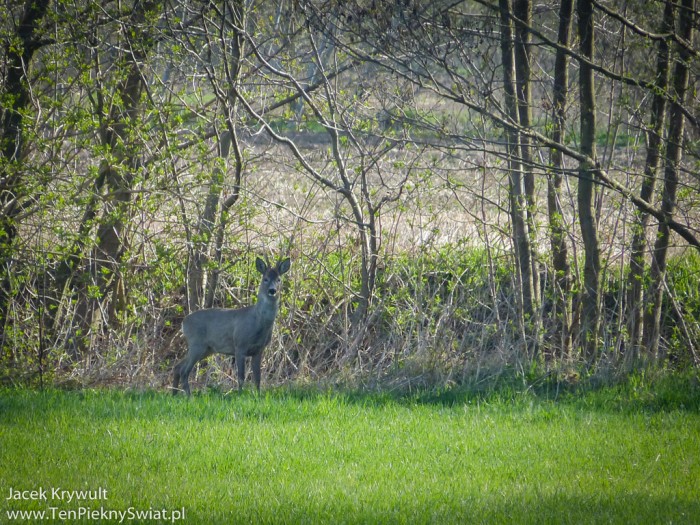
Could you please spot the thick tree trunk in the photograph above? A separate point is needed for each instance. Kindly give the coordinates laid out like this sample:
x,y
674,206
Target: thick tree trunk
x,y
638,248
102,272
18,54
676,123
590,314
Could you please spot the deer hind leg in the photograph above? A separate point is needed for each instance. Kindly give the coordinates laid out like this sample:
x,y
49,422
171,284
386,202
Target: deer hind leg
x,y
187,367
176,376
183,368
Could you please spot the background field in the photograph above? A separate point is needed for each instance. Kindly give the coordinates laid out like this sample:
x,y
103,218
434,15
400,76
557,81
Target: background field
x,y
624,455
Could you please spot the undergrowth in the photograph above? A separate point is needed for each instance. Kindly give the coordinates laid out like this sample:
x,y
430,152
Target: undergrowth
x,y
440,318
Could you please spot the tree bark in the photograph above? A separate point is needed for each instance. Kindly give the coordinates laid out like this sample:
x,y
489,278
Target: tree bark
x,y
518,202
202,280
102,272
557,234
674,150
590,314
522,11
654,136
15,89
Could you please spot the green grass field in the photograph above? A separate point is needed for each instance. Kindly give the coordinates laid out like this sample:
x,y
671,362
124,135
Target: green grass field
x,y
308,457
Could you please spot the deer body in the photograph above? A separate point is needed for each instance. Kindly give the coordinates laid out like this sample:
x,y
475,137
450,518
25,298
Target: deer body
x,y
242,332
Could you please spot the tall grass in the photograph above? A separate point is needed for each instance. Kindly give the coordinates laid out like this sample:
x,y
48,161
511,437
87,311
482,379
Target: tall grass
x,y
309,457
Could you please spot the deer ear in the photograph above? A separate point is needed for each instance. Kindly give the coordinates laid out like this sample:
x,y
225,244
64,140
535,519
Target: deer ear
x,y
283,266
260,265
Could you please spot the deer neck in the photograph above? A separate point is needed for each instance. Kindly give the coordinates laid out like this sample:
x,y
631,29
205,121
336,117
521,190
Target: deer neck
x,y
266,308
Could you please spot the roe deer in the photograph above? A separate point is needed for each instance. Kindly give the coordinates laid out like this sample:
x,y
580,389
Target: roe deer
x,y
242,333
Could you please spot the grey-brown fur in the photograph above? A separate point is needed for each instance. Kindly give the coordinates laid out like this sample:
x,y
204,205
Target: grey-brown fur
x,y
243,332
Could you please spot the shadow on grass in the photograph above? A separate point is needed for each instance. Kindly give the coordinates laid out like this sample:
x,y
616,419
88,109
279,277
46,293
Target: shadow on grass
x,y
666,393
669,393
481,508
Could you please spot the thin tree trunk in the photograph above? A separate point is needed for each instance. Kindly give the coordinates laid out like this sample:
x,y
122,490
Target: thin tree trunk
x,y
651,166
518,203
590,315
522,10
201,281
676,123
557,234
199,257
226,206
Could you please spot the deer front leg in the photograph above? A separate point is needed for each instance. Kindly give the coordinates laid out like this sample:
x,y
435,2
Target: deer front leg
x,y
256,361
240,367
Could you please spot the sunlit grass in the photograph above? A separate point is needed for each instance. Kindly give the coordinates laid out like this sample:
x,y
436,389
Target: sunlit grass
x,y
296,457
